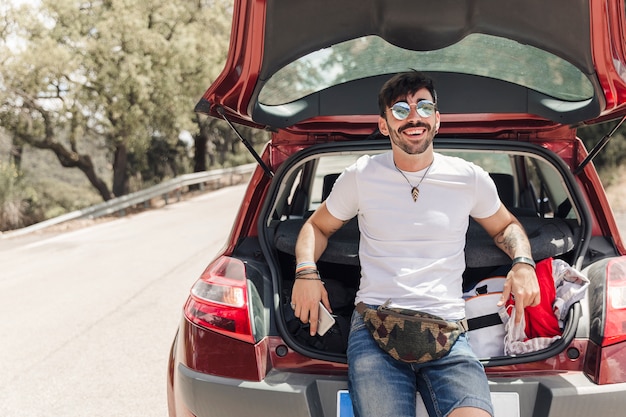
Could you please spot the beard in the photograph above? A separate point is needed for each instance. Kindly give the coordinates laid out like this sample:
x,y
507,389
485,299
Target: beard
x,y
412,148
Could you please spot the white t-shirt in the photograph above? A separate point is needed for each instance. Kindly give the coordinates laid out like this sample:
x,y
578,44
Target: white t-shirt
x,y
412,253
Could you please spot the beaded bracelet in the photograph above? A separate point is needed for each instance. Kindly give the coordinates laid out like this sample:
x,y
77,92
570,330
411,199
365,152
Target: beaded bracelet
x,y
305,265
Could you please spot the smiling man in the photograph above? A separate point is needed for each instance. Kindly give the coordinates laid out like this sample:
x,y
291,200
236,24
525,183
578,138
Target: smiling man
x,y
413,207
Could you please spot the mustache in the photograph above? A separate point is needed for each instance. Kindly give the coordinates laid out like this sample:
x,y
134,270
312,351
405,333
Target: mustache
x,y
414,125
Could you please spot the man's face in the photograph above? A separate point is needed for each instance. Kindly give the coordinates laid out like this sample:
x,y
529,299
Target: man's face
x,y
414,135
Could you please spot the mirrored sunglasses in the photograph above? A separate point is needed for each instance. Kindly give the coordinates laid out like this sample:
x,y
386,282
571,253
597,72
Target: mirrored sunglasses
x,y
402,109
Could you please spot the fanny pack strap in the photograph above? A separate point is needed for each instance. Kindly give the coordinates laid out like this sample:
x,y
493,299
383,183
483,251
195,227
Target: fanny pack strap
x,y
360,308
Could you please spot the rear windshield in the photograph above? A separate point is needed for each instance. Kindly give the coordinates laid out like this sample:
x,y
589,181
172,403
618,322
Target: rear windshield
x,y
528,185
477,54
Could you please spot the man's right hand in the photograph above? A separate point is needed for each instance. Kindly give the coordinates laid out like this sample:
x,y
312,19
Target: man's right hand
x,y
305,297
308,290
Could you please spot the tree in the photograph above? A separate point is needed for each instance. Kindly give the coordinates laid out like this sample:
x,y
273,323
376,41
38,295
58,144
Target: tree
x,y
613,155
129,71
216,141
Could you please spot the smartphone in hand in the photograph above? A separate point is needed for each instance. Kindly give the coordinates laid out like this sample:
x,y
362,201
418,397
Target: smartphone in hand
x,y
325,320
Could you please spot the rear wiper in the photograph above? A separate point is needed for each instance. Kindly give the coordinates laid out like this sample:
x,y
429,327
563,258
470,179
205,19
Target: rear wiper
x,y
599,146
266,169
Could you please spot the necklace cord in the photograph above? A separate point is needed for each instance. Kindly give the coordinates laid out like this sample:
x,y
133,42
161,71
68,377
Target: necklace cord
x,y
414,188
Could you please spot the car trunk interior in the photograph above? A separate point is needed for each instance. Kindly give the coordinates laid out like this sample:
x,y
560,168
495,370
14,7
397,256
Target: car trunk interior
x,y
551,219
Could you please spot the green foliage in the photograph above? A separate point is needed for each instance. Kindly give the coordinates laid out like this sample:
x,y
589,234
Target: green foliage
x,y
613,155
58,197
128,71
223,146
19,205
161,160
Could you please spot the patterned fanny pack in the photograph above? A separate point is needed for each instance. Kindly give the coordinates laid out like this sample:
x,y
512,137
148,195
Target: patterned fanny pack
x,y
411,336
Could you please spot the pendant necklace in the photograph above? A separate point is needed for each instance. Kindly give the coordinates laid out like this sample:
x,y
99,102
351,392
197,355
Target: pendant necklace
x,y
415,191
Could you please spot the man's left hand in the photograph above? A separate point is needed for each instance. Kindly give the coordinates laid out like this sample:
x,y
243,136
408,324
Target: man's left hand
x,y
522,284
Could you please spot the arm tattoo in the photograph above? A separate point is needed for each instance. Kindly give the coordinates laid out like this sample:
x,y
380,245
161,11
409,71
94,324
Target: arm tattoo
x,y
333,230
513,240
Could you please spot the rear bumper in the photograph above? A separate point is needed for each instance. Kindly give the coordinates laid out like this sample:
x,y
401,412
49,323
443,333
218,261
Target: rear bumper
x,y
564,395
279,394
294,395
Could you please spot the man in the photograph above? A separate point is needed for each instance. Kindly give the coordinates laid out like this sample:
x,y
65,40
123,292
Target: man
x,y
413,207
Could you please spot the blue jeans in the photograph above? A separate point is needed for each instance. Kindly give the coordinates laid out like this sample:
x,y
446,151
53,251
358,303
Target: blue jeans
x,y
381,386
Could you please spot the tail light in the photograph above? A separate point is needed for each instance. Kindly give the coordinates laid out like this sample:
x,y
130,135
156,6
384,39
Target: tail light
x,y
219,300
606,355
615,324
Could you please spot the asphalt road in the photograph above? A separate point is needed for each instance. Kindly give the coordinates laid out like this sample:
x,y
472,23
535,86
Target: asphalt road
x,y
88,316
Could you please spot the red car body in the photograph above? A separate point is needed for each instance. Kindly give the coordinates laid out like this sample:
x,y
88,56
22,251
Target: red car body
x,y
233,355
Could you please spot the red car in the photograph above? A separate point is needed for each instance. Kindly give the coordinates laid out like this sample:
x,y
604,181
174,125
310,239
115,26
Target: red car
x,y
515,79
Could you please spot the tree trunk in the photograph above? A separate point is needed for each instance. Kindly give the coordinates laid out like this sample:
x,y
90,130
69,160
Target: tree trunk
x,y
199,156
16,155
86,165
69,159
120,174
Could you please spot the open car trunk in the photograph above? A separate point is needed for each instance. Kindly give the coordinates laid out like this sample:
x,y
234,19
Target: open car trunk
x,y
531,181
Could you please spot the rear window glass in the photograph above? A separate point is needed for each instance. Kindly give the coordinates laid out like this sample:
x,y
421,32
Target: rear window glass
x,y
332,165
477,54
533,185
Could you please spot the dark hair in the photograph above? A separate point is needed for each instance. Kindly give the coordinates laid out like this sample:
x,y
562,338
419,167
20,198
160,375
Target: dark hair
x,y
401,85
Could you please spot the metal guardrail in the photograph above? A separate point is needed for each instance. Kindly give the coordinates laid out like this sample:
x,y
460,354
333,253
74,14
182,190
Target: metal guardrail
x,y
118,205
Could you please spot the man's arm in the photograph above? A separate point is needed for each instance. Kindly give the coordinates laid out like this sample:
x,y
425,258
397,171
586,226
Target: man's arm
x,y
307,290
509,235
